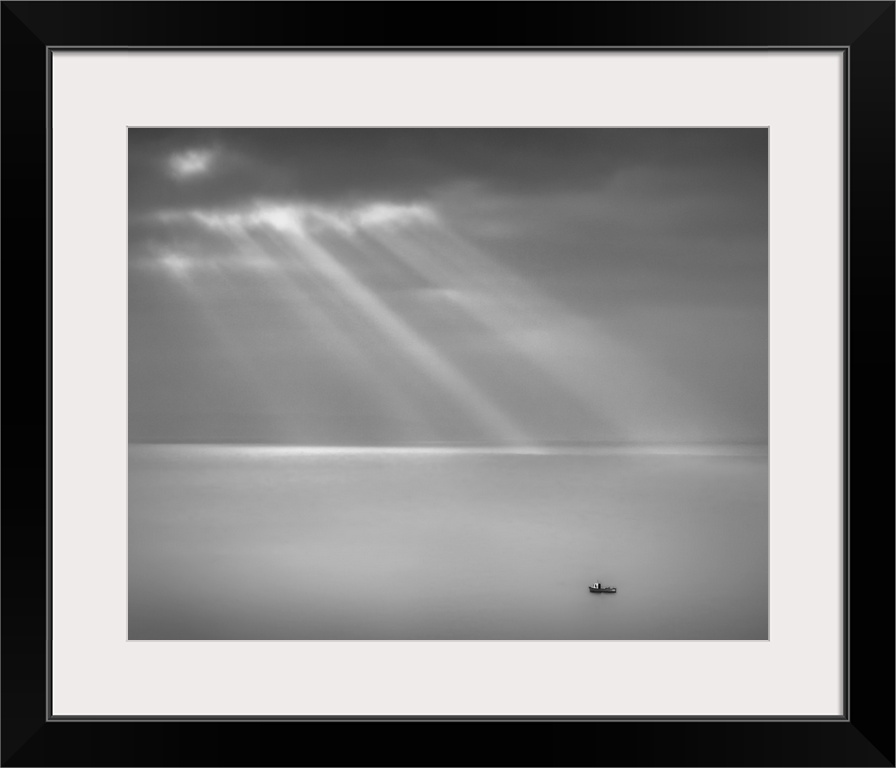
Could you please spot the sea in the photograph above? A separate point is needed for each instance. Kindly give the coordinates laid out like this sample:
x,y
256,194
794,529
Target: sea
x,y
249,542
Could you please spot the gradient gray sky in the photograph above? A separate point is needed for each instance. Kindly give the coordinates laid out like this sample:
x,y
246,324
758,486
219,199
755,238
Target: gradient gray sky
x,y
419,286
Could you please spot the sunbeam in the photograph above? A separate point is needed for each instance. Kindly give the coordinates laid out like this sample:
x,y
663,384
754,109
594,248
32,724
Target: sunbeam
x,y
523,320
199,281
556,356
293,225
307,303
443,373
533,325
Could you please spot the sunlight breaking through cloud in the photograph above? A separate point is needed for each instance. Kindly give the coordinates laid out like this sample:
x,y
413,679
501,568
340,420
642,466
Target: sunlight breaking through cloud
x,y
309,255
405,337
393,294
178,265
298,218
192,162
249,231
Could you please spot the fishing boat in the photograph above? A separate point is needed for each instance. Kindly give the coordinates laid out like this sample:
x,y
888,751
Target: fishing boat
x,y
597,587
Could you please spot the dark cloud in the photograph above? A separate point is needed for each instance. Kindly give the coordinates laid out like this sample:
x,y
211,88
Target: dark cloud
x,y
339,164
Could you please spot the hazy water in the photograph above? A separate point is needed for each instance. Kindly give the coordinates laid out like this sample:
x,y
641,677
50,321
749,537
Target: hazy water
x,y
238,542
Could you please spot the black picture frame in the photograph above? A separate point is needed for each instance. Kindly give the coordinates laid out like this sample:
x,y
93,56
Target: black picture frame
x,y
864,735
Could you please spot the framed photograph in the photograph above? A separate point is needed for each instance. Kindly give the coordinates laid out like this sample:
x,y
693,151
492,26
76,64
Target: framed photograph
x,y
413,384
510,384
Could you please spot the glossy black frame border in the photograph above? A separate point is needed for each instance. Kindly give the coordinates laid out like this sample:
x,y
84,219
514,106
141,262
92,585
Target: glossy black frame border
x,y
864,31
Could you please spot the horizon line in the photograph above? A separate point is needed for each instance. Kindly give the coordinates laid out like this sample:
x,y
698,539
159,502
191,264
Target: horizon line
x,y
548,448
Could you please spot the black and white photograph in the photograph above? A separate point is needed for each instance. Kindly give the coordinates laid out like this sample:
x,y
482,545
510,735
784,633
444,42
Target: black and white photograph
x,y
457,384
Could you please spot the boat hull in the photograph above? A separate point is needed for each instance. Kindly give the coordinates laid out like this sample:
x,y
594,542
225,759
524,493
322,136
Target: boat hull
x,y
607,590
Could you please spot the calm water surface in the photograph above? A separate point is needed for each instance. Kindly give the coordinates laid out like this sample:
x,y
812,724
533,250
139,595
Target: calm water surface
x,y
278,543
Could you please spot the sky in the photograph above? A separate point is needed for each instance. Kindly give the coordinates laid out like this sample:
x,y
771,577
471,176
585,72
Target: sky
x,y
420,286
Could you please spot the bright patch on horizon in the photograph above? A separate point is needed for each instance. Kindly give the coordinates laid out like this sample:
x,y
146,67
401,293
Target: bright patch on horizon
x,y
191,163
